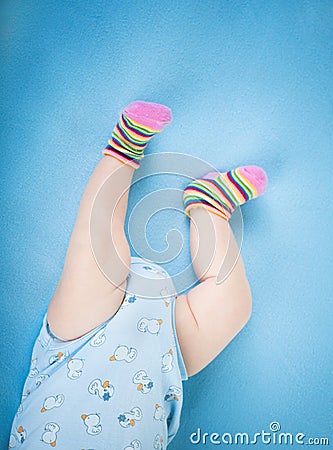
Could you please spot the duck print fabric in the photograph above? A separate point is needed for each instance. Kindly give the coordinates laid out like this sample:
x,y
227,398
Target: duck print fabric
x,y
118,387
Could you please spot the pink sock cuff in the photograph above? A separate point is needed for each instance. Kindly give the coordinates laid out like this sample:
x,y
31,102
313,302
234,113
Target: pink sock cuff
x,y
120,157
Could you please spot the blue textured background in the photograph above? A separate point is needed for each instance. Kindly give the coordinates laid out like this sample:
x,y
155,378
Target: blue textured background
x,y
248,82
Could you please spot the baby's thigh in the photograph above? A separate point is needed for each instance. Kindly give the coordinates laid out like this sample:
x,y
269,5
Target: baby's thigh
x,y
83,299
207,319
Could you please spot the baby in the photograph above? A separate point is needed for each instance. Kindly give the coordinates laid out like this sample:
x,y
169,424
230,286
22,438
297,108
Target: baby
x,y
116,341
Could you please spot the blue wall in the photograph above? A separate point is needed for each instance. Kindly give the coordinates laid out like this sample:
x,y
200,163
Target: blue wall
x,y
248,82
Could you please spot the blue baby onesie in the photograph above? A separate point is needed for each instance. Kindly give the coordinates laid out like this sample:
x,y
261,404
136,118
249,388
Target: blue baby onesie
x,y
119,387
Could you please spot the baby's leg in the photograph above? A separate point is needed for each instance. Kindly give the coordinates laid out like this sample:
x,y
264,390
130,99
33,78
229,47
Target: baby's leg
x,y
212,313
93,280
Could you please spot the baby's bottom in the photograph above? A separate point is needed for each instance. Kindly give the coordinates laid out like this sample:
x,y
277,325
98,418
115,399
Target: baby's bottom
x,y
91,287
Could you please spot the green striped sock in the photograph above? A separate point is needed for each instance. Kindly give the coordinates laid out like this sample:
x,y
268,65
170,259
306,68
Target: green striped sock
x,y
138,123
221,193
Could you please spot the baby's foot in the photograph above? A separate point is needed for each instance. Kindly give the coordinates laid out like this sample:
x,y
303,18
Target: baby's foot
x,y
152,115
220,193
139,122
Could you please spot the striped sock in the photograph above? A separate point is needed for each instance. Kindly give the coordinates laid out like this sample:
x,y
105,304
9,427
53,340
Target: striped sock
x,y
138,123
220,193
